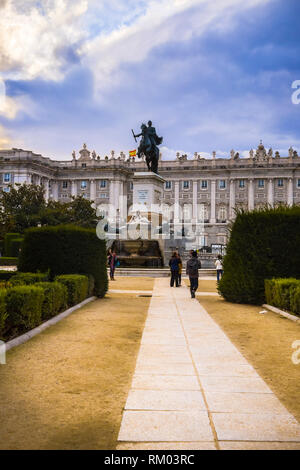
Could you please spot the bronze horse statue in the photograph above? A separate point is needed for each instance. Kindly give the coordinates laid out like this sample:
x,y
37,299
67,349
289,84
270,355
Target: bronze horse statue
x,y
148,146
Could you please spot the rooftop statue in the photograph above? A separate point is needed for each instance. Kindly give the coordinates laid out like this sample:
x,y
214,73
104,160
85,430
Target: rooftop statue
x,y
148,146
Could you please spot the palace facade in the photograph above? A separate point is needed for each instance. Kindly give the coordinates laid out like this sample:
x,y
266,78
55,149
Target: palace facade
x,y
215,186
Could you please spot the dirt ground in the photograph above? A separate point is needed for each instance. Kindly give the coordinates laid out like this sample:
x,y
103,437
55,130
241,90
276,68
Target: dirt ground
x,y
265,340
66,388
131,283
204,285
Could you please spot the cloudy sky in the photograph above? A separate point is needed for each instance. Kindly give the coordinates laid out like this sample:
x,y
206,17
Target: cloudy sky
x,y
210,74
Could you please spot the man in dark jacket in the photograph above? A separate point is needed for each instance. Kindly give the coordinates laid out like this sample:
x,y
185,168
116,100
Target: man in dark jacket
x,y
174,265
192,270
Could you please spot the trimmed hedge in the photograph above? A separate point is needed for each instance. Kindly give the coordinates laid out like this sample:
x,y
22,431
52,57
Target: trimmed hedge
x,y
24,307
284,294
3,312
263,244
77,286
6,275
8,237
15,246
5,261
28,278
55,298
65,250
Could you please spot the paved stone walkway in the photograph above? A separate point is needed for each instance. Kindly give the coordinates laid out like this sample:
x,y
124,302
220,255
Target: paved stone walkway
x,y
192,389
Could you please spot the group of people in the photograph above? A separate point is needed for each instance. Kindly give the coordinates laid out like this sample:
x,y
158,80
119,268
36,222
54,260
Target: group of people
x,y
192,270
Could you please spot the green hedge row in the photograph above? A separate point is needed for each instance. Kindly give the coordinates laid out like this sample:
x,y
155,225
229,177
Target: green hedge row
x,y
55,298
8,237
23,307
8,261
6,275
284,294
65,250
77,287
263,244
28,278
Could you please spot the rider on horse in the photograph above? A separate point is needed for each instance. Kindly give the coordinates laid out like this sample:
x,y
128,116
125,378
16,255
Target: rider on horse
x,y
148,146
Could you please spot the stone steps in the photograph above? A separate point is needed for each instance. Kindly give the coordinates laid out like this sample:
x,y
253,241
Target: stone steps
x,y
157,272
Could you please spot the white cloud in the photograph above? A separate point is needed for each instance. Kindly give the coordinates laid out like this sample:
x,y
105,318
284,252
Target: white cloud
x,y
162,22
5,140
32,34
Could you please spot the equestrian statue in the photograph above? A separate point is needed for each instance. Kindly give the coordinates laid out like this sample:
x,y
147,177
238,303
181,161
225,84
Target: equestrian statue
x,y
148,146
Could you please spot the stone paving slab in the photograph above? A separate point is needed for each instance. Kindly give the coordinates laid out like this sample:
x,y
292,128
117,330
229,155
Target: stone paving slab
x,y
165,400
165,382
256,427
173,426
166,446
193,389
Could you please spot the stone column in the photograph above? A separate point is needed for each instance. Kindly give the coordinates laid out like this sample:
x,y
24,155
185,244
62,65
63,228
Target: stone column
x,y
290,196
270,192
55,190
93,190
195,190
46,187
213,202
176,201
74,188
250,195
231,199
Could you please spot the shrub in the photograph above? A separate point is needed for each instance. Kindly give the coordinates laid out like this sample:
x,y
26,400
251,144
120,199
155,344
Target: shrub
x,y
5,261
65,250
278,292
3,313
28,278
8,237
77,286
55,298
6,275
15,246
24,307
263,244
295,300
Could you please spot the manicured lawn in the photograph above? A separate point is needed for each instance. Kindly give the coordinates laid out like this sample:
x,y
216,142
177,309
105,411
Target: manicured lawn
x,y
131,283
66,388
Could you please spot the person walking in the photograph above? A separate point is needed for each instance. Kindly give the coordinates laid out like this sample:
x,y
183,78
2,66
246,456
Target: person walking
x,y
112,262
219,267
192,270
179,268
174,266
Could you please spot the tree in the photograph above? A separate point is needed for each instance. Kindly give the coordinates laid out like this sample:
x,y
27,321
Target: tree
x,y
19,208
25,206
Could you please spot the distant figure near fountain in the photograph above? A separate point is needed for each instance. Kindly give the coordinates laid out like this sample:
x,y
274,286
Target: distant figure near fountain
x,y
148,146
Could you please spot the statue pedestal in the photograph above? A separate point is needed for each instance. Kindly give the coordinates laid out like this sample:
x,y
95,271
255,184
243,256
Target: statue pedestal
x,y
148,190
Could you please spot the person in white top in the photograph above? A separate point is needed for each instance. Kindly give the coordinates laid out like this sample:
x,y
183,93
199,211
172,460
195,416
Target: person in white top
x,y
219,267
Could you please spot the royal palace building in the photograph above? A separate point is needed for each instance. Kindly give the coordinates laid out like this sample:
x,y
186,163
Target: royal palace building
x,y
215,186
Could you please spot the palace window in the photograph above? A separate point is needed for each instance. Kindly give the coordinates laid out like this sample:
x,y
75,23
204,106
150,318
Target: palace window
x,y
103,195
83,165
168,185
7,177
241,183
222,214
261,183
65,184
280,183
204,184
83,184
222,184
6,189
186,184
131,186
103,183
298,183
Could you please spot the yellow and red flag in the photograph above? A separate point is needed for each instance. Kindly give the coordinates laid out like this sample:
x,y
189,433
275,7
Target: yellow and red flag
x,y
132,153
